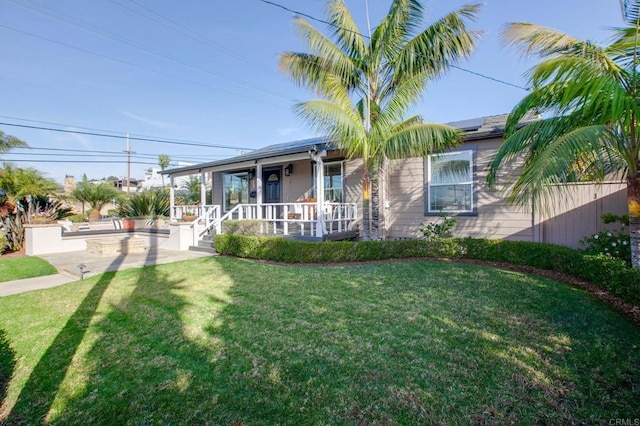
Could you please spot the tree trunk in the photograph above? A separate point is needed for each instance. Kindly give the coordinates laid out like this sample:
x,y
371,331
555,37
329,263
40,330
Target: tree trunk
x,y
366,205
370,205
633,203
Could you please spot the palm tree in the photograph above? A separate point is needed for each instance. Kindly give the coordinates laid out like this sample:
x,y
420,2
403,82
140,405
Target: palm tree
x,y
19,182
590,93
368,83
163,161
7,142
97,196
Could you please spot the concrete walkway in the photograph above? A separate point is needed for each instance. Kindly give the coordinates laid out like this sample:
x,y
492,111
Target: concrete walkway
x,y
68,266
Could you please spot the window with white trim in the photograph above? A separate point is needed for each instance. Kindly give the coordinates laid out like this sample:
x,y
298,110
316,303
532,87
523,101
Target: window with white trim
x,y
333,182
333,190
450,182
236,189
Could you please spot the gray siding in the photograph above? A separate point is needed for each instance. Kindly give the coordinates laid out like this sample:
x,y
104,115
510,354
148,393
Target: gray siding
x,y
495,217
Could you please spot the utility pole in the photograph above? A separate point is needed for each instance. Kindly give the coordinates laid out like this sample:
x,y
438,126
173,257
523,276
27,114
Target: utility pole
x,y
129,152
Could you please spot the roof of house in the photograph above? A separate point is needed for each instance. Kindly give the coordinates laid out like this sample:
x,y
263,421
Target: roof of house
x,y
475,129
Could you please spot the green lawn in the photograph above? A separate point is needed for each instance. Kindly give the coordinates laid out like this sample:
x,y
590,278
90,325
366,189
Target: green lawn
x,y
227,341
17,268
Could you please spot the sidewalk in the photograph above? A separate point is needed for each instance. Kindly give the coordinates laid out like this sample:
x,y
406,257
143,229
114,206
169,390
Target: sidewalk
x,y
68,266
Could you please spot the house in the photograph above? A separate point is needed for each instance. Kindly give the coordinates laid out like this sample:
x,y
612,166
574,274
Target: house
x,y
308,189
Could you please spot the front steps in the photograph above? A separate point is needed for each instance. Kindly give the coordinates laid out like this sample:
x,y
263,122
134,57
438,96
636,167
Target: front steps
x,y
205,245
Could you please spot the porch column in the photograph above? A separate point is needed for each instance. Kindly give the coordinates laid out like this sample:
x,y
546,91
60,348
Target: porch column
x,y
319,196
172,198
259,190
203,190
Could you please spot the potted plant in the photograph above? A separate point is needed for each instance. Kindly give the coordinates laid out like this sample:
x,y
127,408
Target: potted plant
x,y
189,216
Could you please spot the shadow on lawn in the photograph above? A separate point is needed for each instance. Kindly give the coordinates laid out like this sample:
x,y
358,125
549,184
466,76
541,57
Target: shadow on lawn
x,y
38,394
231,341
7,366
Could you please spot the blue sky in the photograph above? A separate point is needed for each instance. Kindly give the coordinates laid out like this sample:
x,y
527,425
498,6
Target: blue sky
x,y
117,65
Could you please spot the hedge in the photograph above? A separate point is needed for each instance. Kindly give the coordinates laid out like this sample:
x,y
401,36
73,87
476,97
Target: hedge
x,y
606,272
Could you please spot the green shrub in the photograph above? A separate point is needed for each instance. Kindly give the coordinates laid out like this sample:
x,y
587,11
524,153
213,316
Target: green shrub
x,y
146,204
241,227
78,218
442,228
3,240
605,271
616,243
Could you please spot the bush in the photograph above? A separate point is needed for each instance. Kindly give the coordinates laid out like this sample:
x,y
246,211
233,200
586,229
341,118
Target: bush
x,y
443,228
605,271
78,218
241,227
616,243
3,240
150,203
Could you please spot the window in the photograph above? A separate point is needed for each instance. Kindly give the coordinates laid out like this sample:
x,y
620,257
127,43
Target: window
x,y
450,182
236,189
333,191
333,182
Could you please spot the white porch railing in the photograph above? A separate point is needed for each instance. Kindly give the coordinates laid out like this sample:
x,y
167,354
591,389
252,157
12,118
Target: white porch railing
x,y
278,217
205,221
195,209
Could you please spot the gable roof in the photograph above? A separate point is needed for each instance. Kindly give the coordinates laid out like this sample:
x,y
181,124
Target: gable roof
x,y
475,129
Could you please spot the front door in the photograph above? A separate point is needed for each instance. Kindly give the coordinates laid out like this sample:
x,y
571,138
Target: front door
x,y
271,184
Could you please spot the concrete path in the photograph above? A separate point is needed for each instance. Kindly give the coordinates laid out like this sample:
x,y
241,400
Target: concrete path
x,y
68,266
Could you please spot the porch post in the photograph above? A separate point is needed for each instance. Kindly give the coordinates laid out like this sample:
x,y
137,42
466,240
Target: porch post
x,y
172,198
203,190
319,196
259,190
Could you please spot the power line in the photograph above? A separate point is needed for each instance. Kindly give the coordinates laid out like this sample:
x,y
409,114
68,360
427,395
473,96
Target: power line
x,y
82,161
313,18
120,137
134,44
187,32
147,155
106,131
496,80
111,58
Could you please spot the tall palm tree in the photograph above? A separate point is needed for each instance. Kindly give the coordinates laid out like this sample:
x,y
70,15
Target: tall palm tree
x,y
590,94
369,83
7,142
163,161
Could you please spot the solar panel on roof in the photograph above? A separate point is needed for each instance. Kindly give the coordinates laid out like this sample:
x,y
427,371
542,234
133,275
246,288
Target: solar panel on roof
x,y
470,125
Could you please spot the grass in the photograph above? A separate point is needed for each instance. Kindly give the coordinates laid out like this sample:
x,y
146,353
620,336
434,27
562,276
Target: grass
x,y
17,268
226,341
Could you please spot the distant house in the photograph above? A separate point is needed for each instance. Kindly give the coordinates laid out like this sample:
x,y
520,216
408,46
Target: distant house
x,y
309,189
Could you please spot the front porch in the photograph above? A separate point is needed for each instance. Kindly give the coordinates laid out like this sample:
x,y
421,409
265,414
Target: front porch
x,y
295,191
301,220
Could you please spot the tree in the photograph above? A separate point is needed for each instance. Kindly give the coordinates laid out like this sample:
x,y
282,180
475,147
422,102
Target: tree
x,y
97,196
590,94
368,84
19,182
7,142
163,161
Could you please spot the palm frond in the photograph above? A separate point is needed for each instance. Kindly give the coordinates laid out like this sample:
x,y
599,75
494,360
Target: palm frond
x,y
345,30
331,119
631,11
420,139
309,69
445,42
404,17
538,40
7,142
